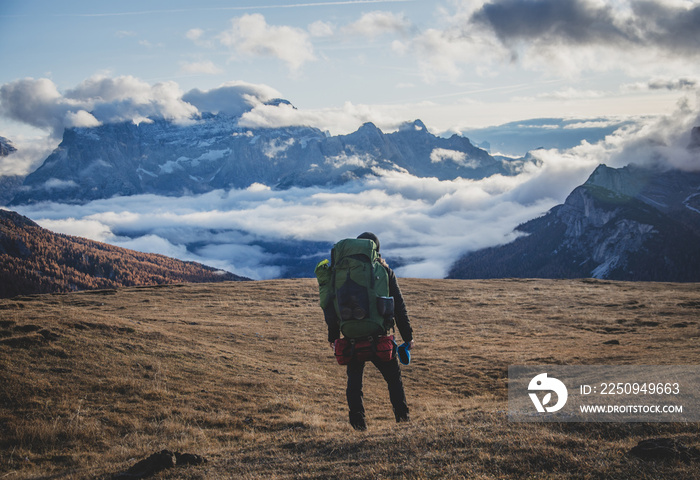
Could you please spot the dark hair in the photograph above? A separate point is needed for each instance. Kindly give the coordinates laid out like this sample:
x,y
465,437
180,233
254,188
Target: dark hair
x,y
370,236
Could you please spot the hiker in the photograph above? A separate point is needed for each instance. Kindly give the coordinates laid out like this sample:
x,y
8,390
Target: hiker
x,y
389,369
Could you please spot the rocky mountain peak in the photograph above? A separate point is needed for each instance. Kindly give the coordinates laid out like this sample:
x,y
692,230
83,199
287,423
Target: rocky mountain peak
x,y
6,147
415,126
630,223
627,181
215,152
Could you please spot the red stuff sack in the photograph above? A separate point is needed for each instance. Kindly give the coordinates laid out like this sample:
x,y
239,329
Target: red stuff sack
x,y
381,348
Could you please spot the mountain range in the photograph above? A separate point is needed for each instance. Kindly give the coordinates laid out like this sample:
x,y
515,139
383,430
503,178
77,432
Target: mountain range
x,y
631,223
36,260
215,152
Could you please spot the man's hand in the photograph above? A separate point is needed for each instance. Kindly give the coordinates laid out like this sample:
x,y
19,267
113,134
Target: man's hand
x,y
332,344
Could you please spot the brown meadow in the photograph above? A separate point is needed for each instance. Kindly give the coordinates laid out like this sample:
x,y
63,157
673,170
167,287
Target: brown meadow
x,y
241,373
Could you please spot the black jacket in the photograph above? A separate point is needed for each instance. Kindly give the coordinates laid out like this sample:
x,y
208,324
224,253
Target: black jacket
x,y
403,323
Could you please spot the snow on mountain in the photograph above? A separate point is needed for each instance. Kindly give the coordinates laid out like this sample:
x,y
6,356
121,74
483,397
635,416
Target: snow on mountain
x,y
214,152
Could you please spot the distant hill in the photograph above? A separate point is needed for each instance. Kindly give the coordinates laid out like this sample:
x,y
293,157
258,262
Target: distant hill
x,y
631,223
35,260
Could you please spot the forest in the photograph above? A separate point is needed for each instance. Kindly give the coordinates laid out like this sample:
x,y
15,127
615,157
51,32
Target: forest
x,y
35,260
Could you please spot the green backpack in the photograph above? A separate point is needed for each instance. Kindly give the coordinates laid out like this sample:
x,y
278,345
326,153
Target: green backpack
x,y
358,285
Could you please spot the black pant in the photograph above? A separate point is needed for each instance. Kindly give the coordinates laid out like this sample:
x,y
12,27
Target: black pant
x,y
392,374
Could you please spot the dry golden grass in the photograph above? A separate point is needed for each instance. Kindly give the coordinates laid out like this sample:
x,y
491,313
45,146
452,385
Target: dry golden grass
x,y
241,373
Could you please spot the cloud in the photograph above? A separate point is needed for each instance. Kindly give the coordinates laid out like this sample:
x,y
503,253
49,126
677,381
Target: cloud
x,y
442,52
251,36
375,24
95,101
670,27
233,98
575,22
81,118
35,102
194,34
460,158
338,121
31,152
197,36
660,141
101,99
561,38
425,224
670,84
127,98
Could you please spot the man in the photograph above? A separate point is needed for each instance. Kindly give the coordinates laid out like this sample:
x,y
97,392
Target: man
x,y
390,370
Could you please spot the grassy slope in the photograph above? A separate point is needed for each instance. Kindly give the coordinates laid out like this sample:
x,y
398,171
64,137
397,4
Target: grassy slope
x,y
241,373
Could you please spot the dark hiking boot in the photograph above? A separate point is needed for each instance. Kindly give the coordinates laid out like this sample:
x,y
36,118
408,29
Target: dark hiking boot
x,y
357,421
401,417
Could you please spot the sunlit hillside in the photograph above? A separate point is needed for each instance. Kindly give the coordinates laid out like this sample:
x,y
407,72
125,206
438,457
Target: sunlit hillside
x,y
36,260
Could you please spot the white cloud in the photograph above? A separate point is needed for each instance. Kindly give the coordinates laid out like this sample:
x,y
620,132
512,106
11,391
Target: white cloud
x,y
31,152
58,184
276,147
426,223
91,229
81,118
194,34
233,98
592,124
99,99
460,158
375,24
251,36
345,119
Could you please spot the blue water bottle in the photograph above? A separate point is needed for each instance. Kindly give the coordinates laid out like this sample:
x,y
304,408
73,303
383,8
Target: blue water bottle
x,y
404,353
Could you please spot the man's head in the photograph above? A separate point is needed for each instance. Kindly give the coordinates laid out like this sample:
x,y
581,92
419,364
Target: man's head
x,y
370,236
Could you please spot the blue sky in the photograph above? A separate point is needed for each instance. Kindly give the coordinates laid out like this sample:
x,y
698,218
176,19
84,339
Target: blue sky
x,y
454,64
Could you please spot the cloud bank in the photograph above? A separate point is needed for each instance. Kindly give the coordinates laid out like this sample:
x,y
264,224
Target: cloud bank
x,y
250,35
561,37
425,224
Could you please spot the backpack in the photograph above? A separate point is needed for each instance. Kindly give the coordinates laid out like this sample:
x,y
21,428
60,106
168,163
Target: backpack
x,y
358,285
